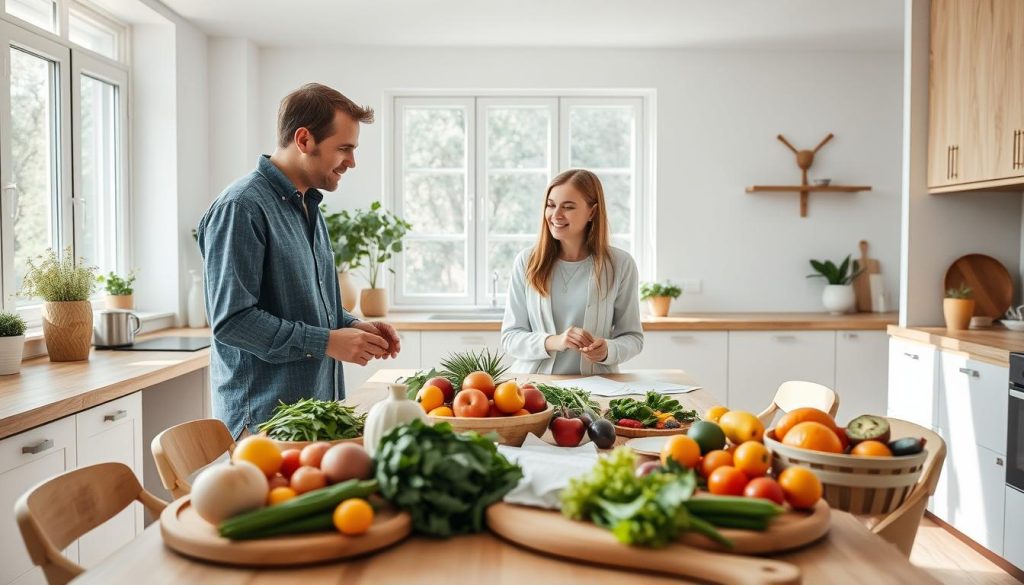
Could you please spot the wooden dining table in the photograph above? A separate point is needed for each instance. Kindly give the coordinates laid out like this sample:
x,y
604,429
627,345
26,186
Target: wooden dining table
x,y
849,553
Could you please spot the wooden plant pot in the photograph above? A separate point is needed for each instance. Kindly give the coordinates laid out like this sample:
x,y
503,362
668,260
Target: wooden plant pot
x,y
67,330
958,313
348,291
659,305
126,302
374,302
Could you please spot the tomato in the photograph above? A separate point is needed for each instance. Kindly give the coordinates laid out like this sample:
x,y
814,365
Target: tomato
x,y
508,398
312,453
353,516
289,462
471,402
684,450
767,488
727,481
752,458
482,381
277,481
306,479
280,495
430,397
802,488
261,452
714,460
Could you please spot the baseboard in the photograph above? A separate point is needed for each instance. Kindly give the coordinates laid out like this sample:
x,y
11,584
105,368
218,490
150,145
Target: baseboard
x,y
999,561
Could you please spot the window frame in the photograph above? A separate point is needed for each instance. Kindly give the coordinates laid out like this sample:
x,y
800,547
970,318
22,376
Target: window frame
x,y
643,224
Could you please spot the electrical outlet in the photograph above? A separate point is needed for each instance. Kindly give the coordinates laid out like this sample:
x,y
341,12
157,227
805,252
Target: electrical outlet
x,y
691,286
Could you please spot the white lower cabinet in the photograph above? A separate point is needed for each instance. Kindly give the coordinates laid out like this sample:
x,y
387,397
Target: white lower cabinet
x,y
437,345
1013,530
972,498
704,355
759,361
408,358
27,459
862,359
912,382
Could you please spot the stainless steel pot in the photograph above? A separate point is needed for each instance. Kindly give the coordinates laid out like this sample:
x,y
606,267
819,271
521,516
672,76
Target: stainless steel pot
x,y
115,328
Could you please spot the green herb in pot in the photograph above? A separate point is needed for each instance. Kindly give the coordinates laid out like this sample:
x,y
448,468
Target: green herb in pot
x,y
314,420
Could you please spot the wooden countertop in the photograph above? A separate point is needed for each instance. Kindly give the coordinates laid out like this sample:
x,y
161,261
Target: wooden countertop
x,y
45,391
992,344
419,321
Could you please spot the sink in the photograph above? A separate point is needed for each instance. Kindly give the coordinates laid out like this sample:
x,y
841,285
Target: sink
x,y
487,314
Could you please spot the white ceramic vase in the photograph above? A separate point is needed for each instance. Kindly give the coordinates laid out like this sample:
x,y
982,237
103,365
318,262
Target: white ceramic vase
x,y
11,350
839,298
196,303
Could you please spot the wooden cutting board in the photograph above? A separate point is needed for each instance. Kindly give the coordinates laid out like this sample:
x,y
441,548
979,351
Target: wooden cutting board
x,y
185,532
862,283
549,532
990,283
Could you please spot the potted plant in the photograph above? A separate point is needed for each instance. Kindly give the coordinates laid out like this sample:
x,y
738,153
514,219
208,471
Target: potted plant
x,y
12,343
119,290
838,296
65,287
376,236
659,296
347,253
958,307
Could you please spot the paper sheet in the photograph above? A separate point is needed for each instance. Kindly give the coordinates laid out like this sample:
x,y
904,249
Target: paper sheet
x,y
599,386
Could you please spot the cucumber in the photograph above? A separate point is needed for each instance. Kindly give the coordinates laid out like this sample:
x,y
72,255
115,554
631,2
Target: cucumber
x,y
307,504
315,523
732,506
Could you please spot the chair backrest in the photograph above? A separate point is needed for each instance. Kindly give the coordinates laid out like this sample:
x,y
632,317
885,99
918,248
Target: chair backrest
x,y
60,510
800,394
182,449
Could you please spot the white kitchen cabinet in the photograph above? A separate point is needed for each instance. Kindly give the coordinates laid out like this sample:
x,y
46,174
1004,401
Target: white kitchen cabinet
x,y
759,361
972,402
912,380
862,359
27,459
111,432
972,498
408,357
437,345
1013,529
704,355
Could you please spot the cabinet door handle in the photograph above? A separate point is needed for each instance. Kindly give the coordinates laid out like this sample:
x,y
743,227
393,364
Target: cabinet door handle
x,y
970,372
999,461
949,162
784,338
956,162
849,335
472,339
682,338
1016,136
912,356
38,447
116,416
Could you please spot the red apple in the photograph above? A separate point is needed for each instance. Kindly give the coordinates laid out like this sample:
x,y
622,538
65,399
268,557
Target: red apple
x,y
568,432
535,401
445,386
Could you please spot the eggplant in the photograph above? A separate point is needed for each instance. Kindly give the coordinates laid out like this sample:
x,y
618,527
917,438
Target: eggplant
x,y
602,433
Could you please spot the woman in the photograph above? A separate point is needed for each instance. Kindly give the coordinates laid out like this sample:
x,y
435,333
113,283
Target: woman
x,y
573,305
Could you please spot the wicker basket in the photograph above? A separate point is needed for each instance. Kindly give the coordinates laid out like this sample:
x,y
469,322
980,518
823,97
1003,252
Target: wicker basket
x,y
511,429
859,485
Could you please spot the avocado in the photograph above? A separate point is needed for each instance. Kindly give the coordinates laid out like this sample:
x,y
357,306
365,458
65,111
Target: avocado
x,y
868,427
906,446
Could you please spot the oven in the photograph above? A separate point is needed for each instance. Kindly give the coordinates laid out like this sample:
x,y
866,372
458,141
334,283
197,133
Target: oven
x,y
1015,425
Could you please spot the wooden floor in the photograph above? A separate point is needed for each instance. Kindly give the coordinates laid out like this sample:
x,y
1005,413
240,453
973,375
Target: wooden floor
x,y
951,561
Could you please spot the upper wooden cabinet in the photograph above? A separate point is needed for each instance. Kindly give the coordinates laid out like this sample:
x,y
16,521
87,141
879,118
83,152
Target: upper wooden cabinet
x,y
976,85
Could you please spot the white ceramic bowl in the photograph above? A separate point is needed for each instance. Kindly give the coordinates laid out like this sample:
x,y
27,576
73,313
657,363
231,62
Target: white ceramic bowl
x,y
1014,324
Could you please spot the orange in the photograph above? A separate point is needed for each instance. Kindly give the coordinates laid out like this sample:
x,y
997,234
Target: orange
x,y
279,495
441,411
353,516
801,486
799,415
684,450
508,398
482,381
715,412
814,436
741,427
871,449
521,412
752,458
430,397
261,452
713,460
727,481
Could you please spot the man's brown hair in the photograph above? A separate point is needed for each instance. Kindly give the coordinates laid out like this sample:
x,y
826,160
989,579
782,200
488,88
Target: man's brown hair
x,y
312,107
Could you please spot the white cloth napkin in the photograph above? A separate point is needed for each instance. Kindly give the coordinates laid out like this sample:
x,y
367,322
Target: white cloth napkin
x,y
546,470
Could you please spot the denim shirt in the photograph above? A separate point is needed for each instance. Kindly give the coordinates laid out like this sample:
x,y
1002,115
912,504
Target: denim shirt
x,y
272,297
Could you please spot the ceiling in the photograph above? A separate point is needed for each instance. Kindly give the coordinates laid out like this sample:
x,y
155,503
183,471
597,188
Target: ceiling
x,y
827,25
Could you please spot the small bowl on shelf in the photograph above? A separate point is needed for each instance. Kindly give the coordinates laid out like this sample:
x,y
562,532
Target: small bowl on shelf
x,y
1013,324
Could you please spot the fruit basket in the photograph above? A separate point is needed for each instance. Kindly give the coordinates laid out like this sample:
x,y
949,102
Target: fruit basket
x,y
512,430
859,485
284,445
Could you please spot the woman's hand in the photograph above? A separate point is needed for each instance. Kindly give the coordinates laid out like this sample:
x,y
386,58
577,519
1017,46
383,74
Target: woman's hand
x,y
597,351
573,338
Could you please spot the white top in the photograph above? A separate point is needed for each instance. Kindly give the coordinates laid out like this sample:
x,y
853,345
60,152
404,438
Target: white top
x,y
614,315
569,305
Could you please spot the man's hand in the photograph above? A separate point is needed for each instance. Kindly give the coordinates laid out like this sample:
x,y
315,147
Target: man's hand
x,y
386,331
355,345
572,338
596,351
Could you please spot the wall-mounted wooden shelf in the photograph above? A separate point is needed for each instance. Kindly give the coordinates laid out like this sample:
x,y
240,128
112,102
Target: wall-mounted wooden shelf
x,y
805,189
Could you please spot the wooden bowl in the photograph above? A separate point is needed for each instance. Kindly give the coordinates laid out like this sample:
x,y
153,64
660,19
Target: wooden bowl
x,y
511,429
283,445
631,432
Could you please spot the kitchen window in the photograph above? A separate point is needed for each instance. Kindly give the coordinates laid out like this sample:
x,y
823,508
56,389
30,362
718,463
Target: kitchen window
x,y
63,165
470,174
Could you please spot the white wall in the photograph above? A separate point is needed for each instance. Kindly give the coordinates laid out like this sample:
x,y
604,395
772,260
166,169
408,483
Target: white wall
x,y
718,115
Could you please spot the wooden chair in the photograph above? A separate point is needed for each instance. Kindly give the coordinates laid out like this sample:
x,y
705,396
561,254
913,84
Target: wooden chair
x,y
799,394
60,510
182,449
900,526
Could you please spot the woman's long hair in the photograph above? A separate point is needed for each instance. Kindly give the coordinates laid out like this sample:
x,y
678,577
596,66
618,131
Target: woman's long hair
x,y
596,239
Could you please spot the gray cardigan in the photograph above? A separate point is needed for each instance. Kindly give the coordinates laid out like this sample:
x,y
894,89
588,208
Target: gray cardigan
x,y
615,317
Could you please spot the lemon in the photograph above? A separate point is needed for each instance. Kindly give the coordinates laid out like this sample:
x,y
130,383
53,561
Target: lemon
x,y
740,427
715,412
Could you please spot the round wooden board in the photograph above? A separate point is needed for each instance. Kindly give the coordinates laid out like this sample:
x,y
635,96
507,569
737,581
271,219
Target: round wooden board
x,y
630,432
185,532
790,530
990,283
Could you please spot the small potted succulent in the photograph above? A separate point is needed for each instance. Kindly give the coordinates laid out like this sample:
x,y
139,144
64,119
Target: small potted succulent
x,y
119,290
65,287
838,296
958,307
659,296
12,343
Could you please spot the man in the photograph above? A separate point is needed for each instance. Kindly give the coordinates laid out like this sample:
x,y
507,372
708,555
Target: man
x,y
279,330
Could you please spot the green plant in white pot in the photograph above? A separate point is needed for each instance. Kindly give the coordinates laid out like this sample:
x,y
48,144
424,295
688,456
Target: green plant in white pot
x,y
65,287
838,296
659,296
12,343
348,253
120,290
376,236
